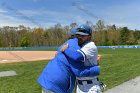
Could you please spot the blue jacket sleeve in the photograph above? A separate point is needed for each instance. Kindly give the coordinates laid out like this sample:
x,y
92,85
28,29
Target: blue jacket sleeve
x,y
88,72
74,54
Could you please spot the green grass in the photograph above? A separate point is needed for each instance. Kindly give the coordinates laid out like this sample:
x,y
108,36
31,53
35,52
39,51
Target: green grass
x,y
117,66
25,81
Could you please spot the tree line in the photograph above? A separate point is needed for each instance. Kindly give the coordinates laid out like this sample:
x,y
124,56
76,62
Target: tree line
x,y
103,35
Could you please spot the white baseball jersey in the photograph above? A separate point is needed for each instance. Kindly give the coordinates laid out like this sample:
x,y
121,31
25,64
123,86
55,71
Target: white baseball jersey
x,y
90,54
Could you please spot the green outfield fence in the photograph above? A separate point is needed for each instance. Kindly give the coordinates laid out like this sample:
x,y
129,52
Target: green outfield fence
x,y
55,48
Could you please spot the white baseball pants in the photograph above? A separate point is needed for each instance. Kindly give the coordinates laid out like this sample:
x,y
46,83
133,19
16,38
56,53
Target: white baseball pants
x,y
88,88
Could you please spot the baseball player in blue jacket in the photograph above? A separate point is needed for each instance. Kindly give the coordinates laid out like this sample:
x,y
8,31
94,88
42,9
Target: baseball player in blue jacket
x,y
60,74
88,54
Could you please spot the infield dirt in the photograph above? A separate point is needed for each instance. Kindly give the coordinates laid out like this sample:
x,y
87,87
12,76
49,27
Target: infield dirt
x,y
24,56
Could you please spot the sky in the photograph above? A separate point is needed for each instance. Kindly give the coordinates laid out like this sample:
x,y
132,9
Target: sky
x,y
47,13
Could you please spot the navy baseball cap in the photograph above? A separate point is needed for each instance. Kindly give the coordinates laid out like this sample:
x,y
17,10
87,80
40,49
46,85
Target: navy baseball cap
x,y
73,31
84,30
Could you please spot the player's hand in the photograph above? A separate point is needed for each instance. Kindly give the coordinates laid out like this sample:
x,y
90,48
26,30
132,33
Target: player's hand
x,y
56,53
64,47
99,58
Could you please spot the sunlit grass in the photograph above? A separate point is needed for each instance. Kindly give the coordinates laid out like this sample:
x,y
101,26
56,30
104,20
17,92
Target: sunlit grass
x,y
117,66
25,81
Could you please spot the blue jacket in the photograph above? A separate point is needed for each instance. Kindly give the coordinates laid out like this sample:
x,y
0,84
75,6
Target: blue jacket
x,y
59,74
75,63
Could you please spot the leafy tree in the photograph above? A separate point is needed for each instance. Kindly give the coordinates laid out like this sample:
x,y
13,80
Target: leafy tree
x,y
24,42
57,34
124,35
132,40
37,37
1,45
137,34
100,26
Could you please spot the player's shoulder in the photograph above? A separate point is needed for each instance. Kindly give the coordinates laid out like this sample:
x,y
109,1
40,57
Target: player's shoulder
x,y
90,44
73,40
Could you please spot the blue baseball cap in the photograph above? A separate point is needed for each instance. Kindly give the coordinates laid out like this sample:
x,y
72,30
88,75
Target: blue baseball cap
x,y
84,30
73,31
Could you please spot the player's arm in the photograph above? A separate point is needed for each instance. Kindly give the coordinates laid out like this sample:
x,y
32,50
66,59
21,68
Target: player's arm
x,y
75,54
86,52
89,72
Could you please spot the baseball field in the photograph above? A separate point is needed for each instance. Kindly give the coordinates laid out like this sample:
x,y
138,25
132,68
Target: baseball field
x,y
25,56
117,66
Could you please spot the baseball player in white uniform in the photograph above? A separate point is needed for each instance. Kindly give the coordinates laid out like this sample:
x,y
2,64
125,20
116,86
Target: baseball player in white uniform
x,y
89,84
88,54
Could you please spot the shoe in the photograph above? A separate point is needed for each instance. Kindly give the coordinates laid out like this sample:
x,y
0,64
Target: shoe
x,y
102,86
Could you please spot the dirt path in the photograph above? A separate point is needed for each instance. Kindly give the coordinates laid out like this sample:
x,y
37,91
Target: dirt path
x,y
22,56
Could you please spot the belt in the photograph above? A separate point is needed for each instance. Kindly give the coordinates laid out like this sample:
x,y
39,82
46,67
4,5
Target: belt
x,y
82,82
